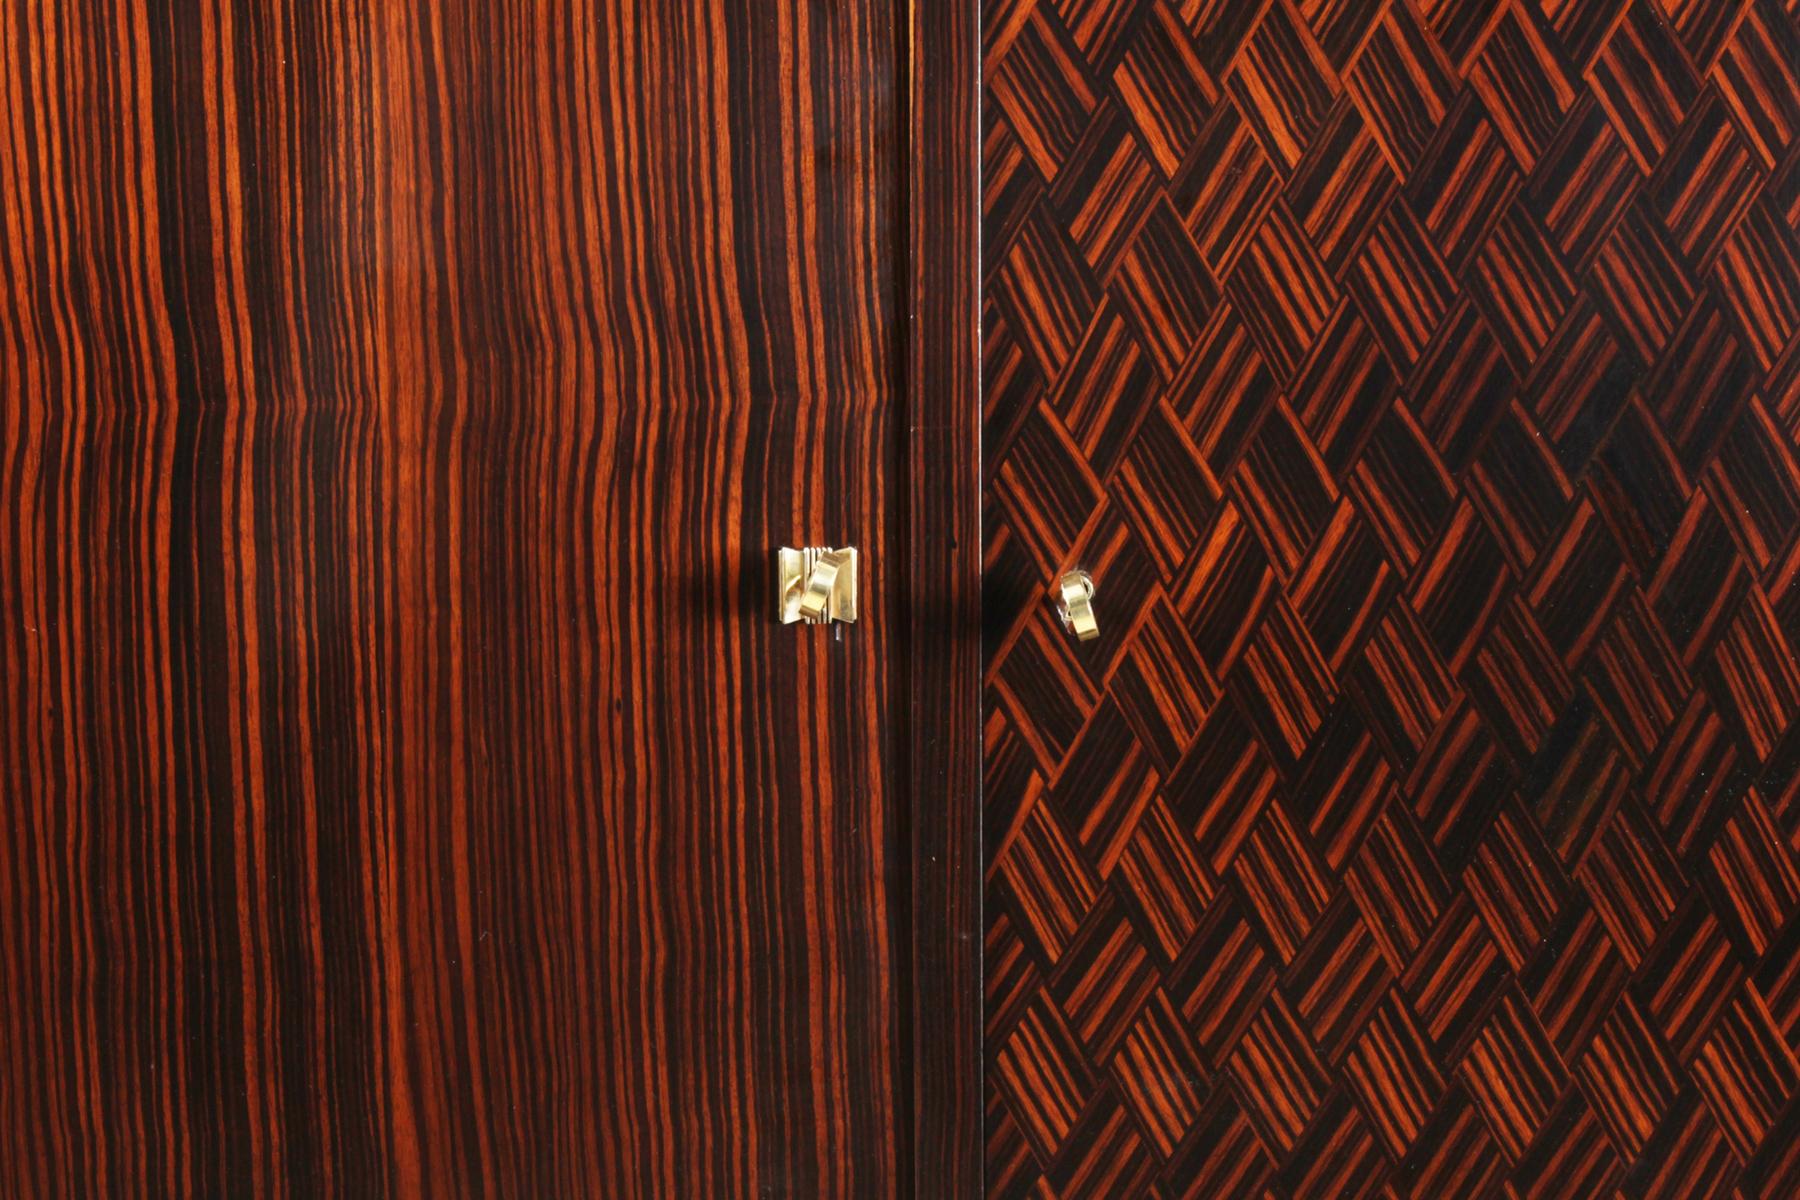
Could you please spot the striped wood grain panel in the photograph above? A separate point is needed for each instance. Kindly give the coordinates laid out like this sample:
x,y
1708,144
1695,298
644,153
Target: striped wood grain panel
x,y
1420,380
406,790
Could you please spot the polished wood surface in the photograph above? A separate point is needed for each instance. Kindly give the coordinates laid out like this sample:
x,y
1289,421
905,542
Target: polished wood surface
x,y
406,788
943,589
1420,382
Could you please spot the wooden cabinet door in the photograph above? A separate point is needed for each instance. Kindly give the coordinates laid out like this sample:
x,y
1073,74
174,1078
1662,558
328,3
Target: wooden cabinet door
x,y
407,786
1417,382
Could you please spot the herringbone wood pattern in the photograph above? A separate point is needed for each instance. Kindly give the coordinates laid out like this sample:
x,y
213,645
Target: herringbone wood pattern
x,y
1420,381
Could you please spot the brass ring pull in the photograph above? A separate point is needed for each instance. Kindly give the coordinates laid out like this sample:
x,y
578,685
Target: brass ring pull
x,y
816,585
815,599
1075,605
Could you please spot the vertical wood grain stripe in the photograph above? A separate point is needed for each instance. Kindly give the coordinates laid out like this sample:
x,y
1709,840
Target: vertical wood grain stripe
x,y
943,594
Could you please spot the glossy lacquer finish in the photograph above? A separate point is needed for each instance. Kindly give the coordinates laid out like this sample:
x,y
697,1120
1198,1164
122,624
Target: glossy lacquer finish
x,y
407,787
1420,383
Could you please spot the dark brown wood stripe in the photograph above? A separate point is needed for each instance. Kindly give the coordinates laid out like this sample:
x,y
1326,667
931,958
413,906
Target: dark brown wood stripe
x,y
942,1059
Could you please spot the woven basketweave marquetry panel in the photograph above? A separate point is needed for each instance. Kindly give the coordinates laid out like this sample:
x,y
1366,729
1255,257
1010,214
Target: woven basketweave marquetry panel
x,y
1420,383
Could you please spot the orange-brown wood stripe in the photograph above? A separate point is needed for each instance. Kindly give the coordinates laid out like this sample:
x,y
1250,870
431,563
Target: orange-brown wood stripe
x,y
405,788
1420,383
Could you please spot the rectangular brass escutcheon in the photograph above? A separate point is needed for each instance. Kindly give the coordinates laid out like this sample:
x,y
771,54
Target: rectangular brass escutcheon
x,y
816,585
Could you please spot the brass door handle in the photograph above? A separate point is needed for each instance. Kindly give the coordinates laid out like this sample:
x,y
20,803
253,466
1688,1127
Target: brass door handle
x,y
1074,594
816,585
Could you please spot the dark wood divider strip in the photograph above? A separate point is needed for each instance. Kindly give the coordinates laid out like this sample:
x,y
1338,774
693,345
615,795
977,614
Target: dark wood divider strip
x,y
943,588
